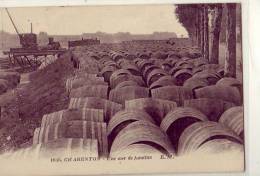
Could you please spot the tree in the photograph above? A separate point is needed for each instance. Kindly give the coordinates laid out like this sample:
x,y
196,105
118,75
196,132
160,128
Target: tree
x,y
230,60
206,32
198,19
198,28
216,27
202,30
185,13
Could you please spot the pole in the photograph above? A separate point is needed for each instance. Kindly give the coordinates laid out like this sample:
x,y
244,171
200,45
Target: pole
x,y
12,21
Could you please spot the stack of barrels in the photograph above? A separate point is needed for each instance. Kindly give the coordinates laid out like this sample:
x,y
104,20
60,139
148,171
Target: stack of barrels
x,y
124,102
45,61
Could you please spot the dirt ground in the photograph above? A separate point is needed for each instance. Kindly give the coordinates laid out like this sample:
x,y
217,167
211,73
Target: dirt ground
x,y
39,92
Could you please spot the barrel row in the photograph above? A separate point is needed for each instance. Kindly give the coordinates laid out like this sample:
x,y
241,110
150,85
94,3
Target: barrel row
x,y
141,113
45,61
120,143
226,89
85,118
187,130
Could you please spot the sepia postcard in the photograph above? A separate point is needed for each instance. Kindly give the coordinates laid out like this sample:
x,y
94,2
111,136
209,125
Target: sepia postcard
x,y
121,89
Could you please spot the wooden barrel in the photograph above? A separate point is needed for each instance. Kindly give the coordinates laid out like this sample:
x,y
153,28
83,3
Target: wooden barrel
x,y
133,69
139,80
156,108
130,56
117,57
119,76
199,133
120,72
100,91
182,63
107,71
186,58
231,82
95,56
126,83
195,83
198,70
160,55
226,93
234,119
212,108
109,107
221,72
95,115
144,56
177,68
123,118
76,83
137,60
123,63
172,60
109,63
182,75
144,63
119,79
173,93
212,76
108,68
142,132
120,95
199,62
154,75
156,61
166,66
163,81
179,119
220,146
148,69
105,59
59,148
74,129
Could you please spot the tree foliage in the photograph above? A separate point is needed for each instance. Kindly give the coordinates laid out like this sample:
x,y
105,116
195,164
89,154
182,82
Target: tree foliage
x,y
186,15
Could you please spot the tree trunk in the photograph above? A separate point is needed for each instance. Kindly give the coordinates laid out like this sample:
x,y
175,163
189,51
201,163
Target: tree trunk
x,y
216,26
230,60
202,31
206,32
198,29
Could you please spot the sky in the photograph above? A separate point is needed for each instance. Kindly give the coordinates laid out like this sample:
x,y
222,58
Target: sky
x,y
136,19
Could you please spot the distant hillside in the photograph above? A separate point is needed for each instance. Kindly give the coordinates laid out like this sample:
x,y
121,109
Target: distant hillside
x,y
12,40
